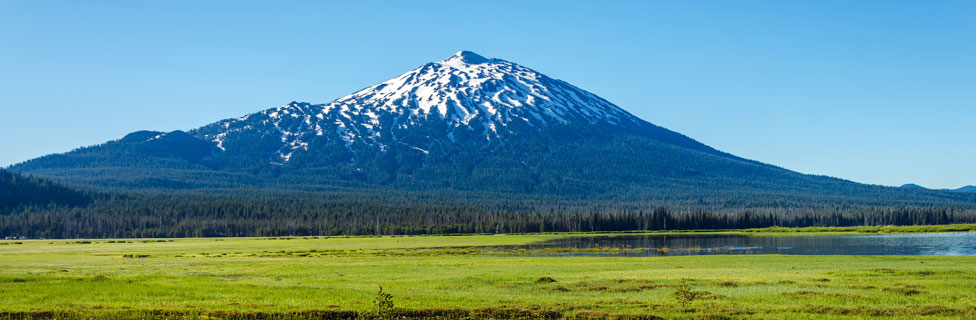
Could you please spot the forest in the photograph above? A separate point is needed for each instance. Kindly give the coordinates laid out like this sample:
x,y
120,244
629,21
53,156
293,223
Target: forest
x,y
39,208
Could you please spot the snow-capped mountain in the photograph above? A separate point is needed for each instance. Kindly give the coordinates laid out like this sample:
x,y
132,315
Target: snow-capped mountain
x,y
464,123
465,98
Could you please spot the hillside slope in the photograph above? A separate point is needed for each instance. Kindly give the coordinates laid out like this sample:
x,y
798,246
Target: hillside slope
x,y
17,190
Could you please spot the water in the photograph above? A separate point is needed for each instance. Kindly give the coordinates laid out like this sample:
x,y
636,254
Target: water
x,y
962,244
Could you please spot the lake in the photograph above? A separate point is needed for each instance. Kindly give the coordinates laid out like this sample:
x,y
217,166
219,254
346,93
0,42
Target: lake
x,y
962,243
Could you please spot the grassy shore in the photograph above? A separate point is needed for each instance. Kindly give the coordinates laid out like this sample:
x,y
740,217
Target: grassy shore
x,y
873,229
296,277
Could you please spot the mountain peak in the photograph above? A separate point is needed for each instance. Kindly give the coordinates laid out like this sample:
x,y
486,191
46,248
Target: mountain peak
x,y
465,58
464,100
969,188
912,186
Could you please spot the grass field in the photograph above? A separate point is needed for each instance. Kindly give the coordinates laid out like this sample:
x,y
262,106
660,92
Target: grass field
x,y
322,277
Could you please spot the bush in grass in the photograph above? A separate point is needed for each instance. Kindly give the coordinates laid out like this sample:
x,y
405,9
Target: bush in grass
x,y
545,280
685,295
384,304
382,307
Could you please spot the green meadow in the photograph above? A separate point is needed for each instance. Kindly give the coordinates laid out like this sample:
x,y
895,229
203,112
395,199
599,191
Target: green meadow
x,y
444,277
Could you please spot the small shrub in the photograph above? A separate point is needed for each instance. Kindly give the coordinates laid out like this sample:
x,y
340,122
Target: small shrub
x,y
685,295
545,280
382,307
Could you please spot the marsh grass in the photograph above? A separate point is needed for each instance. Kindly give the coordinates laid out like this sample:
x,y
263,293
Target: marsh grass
x,y
443,278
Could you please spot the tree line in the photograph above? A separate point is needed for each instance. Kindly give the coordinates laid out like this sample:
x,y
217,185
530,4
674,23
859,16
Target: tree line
x,y
139,215
40,208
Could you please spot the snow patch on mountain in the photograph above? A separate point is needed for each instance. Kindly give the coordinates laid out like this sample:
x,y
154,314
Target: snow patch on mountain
x,y
465,92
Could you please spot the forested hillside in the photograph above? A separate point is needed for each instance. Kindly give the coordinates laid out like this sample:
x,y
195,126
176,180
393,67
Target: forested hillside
x,y
18,191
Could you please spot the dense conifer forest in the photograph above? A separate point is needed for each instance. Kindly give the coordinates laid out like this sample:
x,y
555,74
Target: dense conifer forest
x,y
17,190
39,208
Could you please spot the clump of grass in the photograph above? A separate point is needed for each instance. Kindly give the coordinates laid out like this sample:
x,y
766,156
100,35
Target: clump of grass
x,y
558,288
728,284
801,293
923,273
862,287
637,287
594,315
713,316
545,280
584,286
908,291
936,310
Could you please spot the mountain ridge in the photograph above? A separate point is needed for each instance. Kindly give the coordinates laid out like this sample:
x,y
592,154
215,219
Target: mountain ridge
x,y
464,123
968,188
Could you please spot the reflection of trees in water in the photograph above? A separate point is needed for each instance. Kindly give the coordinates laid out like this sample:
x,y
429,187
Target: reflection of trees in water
x,y
896,244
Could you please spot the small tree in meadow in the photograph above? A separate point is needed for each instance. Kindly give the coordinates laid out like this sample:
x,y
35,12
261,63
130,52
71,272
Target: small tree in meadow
x,y
685,295
383,305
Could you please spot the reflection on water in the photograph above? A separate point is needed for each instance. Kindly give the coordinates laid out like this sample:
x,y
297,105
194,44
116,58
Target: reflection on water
x,y
695,244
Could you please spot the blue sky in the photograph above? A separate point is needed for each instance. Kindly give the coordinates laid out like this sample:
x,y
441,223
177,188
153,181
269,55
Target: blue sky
x,y
880,92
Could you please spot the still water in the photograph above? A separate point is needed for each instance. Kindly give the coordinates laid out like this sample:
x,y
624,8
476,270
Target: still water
x,y
963,243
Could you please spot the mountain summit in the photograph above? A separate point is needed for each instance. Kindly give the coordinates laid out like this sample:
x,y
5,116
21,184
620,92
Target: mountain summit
x,y
467,122
467,57
482,101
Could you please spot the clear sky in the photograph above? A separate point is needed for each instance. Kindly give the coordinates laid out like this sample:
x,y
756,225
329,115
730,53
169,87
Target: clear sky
x,y
880,92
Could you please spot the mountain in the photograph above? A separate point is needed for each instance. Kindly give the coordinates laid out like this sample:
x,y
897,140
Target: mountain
x,y
467,123
966,189
962,189
17,190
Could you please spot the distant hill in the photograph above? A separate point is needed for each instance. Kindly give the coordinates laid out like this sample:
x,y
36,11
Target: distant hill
x,y
17,190
966,189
